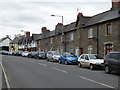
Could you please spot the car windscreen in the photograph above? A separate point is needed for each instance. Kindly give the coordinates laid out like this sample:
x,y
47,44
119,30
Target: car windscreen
x,y
93,57
70,55
56,53
42,53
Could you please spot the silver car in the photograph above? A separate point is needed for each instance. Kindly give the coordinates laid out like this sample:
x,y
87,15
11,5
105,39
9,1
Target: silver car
x,y
25,53
53,56
90,60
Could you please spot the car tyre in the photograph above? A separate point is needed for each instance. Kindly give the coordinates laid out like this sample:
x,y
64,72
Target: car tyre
x,y
79,65
66,63
91,66
107,69
47,59
59,62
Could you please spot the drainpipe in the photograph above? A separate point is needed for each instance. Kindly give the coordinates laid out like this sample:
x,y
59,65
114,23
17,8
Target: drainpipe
x,y
97,39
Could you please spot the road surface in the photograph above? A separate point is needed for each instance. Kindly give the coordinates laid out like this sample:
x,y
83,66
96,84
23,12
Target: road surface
x,y
32,73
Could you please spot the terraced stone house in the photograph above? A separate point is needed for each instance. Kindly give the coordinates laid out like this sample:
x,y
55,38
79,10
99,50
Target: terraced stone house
x,y
98,34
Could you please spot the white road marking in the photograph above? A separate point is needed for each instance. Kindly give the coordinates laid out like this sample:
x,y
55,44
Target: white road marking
x,y
33,61
42,64
96,82
6,78
59,70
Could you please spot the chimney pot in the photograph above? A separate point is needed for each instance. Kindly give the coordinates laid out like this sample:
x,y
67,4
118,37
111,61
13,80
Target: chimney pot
x,y
59,24
80,14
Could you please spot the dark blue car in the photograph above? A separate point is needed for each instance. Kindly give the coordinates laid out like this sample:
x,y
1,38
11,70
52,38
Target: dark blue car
x,y
68,58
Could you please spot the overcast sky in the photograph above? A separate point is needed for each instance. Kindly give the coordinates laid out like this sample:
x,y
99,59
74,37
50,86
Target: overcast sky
x,y
32,15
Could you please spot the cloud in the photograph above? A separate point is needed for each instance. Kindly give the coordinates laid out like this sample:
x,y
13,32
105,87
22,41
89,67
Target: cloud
x,y
34,14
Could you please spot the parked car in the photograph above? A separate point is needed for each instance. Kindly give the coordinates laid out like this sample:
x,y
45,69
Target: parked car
x,y
53,56
10,53
112,62
39,55
90,60
14,53
3,52
19,53
31,54
25,53
68,58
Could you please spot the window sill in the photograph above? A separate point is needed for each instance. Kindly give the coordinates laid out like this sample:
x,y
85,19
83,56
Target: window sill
x,y
90,37
107,34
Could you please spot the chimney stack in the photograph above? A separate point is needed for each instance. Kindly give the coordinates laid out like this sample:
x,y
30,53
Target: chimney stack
x,y
80,14
7,36
59,24
115,4
27,34
44,29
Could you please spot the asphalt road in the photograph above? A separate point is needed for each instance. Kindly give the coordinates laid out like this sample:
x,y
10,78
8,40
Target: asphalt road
x,y
31,73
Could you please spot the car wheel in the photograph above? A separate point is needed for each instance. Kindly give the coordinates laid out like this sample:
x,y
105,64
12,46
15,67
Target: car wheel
x,y
59,62
36,57
107,70
91,66
52,60
47,59
66,63
79,65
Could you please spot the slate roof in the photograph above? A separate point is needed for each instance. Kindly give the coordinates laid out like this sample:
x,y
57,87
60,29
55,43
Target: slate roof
x,y
4,39
52,33
105,16
35,36
15,40
69,27
25,40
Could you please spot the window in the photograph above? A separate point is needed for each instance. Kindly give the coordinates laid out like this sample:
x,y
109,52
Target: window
x,y
90,33
114,56
71,50
82,57
77,52
108,48
86,57
109,29
61,38
108,55
61,50
90,49
71,36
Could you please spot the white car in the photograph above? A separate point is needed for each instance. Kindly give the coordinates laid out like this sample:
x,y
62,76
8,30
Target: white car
x,y
90,60
25,54
53,56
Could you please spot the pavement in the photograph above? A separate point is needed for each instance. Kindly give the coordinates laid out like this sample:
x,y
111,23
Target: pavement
x,y
31,73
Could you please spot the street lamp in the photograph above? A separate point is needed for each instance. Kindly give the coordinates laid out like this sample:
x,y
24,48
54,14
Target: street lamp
x,y
62,29
23,31
58,16
62,21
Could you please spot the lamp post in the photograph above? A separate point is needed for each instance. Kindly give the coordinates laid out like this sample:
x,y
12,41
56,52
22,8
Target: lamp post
x,y
23,31
62,21
64,40
58,16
